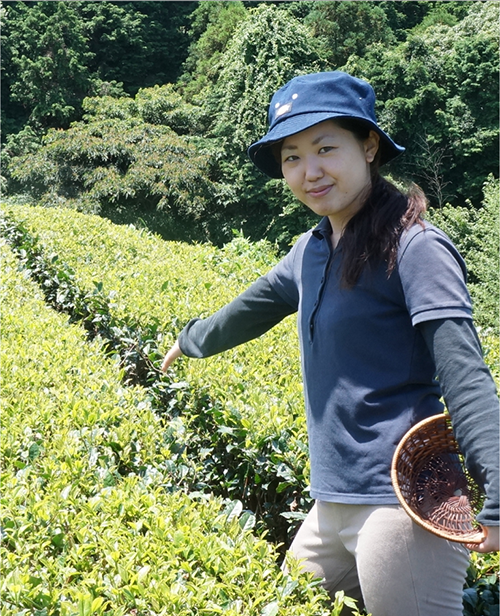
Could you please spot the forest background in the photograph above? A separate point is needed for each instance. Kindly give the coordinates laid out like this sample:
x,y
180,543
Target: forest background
x,y
142,112
146,109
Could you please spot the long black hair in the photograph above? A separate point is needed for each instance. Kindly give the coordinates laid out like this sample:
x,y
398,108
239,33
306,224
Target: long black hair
x,y
373,233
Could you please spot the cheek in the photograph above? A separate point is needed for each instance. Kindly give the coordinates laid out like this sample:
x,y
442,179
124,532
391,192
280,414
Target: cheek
x,y
356,171
298,193
293,181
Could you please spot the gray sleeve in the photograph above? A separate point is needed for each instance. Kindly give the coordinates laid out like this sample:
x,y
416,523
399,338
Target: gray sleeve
x,y
248,316
433,276
471,398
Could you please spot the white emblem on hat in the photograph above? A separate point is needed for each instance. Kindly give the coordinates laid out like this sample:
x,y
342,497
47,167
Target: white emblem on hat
x,y
284,109
294,96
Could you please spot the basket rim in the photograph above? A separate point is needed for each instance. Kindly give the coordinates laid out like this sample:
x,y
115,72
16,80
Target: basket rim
x,y
475,537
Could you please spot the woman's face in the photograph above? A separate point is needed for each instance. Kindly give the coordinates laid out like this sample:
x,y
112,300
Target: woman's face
x,y
328,169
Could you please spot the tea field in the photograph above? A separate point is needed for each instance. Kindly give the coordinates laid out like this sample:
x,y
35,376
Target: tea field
x,y
129,492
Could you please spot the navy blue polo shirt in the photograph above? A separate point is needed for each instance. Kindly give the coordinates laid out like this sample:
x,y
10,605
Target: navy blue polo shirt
x,y
367,371
368,374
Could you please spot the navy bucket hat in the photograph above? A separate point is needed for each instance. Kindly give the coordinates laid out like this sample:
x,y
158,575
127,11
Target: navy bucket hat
x,y
310,99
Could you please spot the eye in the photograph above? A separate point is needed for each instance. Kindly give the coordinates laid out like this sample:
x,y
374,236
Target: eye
x,y
290,159
326,148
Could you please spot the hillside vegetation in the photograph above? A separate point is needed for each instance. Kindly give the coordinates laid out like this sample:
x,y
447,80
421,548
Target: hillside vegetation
x,y
96,517
130,207
145,110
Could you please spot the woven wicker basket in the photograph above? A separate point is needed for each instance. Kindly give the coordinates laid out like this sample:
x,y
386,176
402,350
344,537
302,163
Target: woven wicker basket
x,y
432,483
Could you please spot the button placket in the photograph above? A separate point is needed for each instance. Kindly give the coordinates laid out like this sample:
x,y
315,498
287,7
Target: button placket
x,y
319,296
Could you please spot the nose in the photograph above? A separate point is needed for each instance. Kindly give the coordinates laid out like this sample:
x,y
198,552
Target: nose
x,y
313,169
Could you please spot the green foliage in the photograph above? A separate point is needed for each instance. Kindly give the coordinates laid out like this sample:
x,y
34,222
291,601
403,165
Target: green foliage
x,y
475,232
404,16
94,476
481,596
243,419
431,64
125,157
346,28
56,53
212,26
163,105
268,48
93,520
46,60
434,99
124,161
138,44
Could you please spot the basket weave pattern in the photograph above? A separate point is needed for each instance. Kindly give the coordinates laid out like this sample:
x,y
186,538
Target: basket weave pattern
x,y
432,483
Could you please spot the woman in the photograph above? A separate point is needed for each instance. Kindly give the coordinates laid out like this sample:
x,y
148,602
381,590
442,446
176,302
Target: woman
x,y
382,308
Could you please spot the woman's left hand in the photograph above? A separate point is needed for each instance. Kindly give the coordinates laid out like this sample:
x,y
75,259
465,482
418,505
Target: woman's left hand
x,y
490,542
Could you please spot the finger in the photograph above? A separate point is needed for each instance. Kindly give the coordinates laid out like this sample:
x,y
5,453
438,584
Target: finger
x,y
168,360
483,547
172,354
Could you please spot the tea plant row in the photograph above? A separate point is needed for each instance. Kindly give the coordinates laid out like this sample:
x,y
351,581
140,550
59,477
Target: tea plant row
x,y
232,426
243,419
95,517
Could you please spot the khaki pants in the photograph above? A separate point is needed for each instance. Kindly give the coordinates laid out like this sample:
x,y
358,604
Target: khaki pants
x,y
376,554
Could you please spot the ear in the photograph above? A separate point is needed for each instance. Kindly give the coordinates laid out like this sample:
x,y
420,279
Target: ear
x,y
371,146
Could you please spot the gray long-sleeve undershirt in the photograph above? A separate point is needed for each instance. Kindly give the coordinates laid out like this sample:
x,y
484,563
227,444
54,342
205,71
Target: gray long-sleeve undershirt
x,y
470,395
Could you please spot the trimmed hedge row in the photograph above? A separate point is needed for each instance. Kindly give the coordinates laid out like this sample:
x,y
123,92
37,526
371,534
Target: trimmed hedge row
x,y
93,521
147,281
243,420
234,440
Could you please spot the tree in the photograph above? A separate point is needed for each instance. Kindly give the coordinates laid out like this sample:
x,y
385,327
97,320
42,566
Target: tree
x,y
46,71
346,28
436,95
432,64
268,49
405,15
54,54
138,44
212,26
124,161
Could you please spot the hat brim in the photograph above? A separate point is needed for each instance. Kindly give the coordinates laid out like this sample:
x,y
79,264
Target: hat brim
x,y
261,153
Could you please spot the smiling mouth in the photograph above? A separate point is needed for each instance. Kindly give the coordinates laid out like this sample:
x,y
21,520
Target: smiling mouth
x,y
321,191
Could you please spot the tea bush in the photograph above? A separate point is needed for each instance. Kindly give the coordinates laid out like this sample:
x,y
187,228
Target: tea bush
x,y
146,280
231,431
245,418
93,521
481,592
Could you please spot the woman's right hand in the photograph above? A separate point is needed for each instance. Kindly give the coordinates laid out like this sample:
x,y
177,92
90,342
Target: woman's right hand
x,y
490,541
171,356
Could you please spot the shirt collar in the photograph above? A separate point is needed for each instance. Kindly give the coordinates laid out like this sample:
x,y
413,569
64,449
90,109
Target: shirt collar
x,y
323,230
